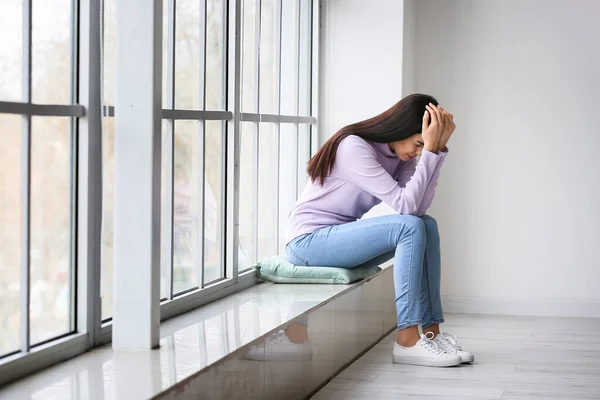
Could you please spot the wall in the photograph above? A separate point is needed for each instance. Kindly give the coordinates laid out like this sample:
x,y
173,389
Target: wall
x,y
518,198
361,63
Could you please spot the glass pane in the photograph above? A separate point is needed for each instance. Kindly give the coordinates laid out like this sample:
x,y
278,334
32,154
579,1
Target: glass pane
x,y
269,64
188,45
50,231
10,232
186,205
51,51
165,54
165,264
11,49
289,57
215,60
108,199
305,57
110,51
249,68
304,143
247,210
267,190
287,178
213,210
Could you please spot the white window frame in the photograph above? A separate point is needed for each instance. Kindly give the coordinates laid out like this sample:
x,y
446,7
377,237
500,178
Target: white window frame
x,y
88,330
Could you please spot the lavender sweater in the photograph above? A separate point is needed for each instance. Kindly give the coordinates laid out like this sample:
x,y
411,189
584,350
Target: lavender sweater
x,y
365,174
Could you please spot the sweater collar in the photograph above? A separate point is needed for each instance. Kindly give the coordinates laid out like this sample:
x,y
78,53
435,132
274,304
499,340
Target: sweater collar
x,y
384,149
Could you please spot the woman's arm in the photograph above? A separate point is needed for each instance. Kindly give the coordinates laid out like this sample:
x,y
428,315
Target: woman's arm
x,y
357,163
408,171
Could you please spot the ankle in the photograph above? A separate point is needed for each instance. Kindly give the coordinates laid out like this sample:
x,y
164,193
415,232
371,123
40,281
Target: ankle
x,y
408,337
435,329
297,333
407,343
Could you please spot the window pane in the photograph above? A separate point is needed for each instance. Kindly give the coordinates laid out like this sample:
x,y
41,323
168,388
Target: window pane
x,y
165,54
267,190
11,49
215,61
110,50
10,232
247,210
289,57
213,265
108,199
188,45
186,205
287,177
304,143
51,51
50,306
305,56
165,190
249,68
269,64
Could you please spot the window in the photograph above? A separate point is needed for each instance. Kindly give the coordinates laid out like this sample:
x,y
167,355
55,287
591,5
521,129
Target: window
x,y
56,156
38,128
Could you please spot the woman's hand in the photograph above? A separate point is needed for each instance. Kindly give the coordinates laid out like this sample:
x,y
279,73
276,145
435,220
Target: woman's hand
x,y
449,128
433,126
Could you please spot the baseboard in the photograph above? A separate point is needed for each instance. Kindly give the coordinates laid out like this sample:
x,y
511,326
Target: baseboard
x,y
516,306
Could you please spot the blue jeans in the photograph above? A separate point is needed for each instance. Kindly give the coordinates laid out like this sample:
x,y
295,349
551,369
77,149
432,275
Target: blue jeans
x,y
413,242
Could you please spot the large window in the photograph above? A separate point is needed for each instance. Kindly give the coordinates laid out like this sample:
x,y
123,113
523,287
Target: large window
x,y
53,285
37,169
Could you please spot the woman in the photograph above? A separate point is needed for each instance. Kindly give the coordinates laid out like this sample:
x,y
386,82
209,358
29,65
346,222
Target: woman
x,y
360,166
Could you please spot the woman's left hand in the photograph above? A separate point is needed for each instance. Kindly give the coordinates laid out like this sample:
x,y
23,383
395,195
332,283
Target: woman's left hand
x,y
449,128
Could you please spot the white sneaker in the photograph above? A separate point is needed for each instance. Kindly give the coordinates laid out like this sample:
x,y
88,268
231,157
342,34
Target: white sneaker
x,y
450,344
425,352
279,348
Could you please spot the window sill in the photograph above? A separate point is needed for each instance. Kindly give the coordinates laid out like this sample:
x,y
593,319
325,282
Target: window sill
x,y
197,347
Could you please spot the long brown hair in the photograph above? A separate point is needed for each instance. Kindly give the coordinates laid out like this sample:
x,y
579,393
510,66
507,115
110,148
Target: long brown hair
x,y
401,121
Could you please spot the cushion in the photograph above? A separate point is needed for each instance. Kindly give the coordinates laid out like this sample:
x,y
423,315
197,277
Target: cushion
x,y
277,269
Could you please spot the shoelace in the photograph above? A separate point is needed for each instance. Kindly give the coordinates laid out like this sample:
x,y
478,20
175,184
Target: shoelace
x,y
450,342
430,345
275,339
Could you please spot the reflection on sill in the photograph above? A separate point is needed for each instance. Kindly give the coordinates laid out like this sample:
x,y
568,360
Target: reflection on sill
x,y
189,343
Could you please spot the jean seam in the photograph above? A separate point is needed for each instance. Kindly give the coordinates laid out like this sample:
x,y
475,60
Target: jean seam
x,y
433,322
297,256
407,226
408,324
410,263
426,265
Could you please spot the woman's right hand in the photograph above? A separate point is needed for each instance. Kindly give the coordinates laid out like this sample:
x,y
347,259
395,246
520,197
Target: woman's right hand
x,y
433,126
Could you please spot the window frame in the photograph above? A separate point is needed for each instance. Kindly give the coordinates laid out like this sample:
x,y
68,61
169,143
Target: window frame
x,y
86,113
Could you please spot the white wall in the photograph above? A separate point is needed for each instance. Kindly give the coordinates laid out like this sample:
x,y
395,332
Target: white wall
x,y
361,63
519,195
518,202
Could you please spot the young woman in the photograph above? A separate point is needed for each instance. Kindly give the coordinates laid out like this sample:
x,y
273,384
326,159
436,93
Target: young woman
x,y
360,166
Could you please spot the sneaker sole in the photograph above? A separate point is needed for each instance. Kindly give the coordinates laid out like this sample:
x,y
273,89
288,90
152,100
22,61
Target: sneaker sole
x,y
466,360
425,362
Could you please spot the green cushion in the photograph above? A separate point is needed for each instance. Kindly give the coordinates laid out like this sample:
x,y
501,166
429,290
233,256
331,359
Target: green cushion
x,y
277,269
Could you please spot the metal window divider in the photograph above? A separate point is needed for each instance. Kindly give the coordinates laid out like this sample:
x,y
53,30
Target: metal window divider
x,y
168,230
200,230
26,182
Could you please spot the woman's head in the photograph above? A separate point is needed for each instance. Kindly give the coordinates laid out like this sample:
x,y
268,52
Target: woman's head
x,y
400,127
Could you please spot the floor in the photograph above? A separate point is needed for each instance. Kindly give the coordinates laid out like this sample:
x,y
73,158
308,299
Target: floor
x,y
515,358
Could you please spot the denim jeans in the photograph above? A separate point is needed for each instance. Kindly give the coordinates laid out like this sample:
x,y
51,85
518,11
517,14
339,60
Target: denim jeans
x,y
413,242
